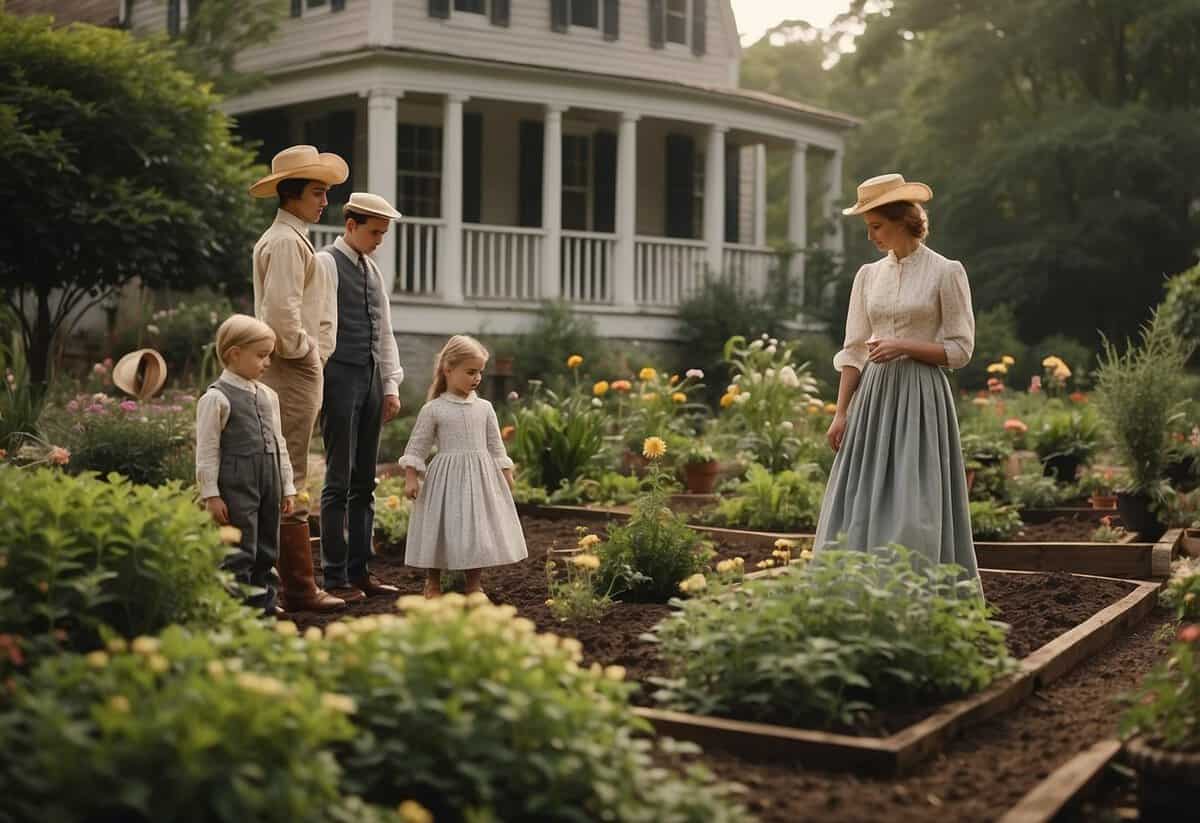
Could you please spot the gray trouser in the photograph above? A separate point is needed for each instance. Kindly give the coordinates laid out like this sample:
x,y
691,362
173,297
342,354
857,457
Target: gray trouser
x,y
351,421
250,487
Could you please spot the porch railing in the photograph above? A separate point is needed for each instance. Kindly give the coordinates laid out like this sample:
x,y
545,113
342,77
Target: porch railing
x,y
417,240
666,270
323,235
501,262
748,266
587,266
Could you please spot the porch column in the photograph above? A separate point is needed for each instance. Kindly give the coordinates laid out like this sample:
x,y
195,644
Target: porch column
x,y
624,293
381,172
714,198
760,195
833,187
450,272
798,210
551,288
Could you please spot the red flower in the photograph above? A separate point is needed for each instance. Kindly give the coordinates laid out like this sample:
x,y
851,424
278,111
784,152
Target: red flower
x,y
1190,633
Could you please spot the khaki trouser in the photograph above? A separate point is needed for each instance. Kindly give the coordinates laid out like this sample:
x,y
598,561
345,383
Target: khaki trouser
x,y
300,384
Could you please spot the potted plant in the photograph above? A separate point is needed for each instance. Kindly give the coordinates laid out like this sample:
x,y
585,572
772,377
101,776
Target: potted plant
x,y
1162,732
1099,487
1066,440
1138,394
700,468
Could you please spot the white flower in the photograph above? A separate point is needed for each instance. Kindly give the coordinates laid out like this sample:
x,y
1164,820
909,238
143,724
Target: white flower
x,y
597,402
765,336
773,342
694,373
151,328
770,374
742,398
756,377
787,376
513,397
787,425
756,345
770,349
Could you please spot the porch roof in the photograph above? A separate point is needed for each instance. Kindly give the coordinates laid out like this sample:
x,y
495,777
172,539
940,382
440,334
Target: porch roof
x,y
804,112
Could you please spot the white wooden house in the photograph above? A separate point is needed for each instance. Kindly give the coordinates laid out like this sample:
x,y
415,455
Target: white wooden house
x,y
598,151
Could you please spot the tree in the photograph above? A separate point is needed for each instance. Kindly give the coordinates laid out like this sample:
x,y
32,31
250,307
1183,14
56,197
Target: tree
x,y
217,31
117,165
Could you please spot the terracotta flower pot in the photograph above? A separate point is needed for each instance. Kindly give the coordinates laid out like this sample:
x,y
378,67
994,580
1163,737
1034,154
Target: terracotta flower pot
x,y
1168,781
1190,542
1103,501
700,478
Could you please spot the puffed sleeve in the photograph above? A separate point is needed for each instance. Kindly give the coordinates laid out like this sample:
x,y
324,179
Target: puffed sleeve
x,y
212,413
495,442
958,318
858,326
420,442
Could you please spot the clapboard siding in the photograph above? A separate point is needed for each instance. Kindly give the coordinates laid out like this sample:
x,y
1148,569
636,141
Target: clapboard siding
x,y
529,39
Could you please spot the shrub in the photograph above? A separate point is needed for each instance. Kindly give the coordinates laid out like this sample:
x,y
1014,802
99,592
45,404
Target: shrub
x,y
149,442
789,500
168,732
557,332
557,438
394,438
1166,707
183,332
1138,394
849,633
77,554
647,557
461,705
1035,491
1181,307
20,401
1075,433
392,510
992,521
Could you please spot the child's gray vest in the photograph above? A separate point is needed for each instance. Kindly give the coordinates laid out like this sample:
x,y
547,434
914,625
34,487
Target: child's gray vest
x,y
250,429
359,297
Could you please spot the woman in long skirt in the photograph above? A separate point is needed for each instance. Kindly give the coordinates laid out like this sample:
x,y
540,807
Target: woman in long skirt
x,y
898,476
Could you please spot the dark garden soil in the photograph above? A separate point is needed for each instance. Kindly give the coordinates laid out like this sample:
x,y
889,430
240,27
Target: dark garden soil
x,y
1065,529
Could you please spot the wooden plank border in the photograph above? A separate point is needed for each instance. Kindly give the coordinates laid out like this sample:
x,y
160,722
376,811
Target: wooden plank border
x,y
1065,785
899,752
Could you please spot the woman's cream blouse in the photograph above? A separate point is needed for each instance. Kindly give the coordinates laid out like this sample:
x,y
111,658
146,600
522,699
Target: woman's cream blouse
x,y
922,297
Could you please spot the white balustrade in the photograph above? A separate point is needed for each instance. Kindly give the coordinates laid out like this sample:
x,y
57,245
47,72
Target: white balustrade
x,y
323,235
667,271
588,266
417,240
501,262
748,266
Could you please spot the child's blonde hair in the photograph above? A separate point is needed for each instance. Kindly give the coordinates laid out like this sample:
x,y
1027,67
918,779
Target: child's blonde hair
x,y
241,330
457,349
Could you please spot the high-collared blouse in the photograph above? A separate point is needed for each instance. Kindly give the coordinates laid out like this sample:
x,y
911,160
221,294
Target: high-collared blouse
x,y
922,296
212,413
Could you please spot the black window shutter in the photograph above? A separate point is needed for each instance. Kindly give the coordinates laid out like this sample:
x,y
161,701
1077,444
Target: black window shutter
x,y
529,192
612,19
339,139
297,7
733,193
500,12
680,165
337,5
699,26
472,167
173,17
558,15
439,8
604,173
657,22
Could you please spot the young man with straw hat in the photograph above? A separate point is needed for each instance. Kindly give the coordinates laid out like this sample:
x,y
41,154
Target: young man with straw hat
x,y
362,379
290,297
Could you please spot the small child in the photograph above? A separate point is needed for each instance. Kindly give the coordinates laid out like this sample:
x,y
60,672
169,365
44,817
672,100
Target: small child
x,y
464,516
242,464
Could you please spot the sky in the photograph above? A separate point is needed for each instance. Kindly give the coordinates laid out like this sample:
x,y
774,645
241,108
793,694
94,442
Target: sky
x,y
756,16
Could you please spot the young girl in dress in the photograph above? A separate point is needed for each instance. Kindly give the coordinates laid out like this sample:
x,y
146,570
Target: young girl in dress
x,y
242,465
464,516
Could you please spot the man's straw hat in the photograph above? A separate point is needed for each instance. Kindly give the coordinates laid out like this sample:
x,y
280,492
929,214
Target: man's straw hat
x,y
303,163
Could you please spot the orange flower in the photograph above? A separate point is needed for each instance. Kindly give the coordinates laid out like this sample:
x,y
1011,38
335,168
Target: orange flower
x,y
1015,426
679,397
507,433
1078,397
622,386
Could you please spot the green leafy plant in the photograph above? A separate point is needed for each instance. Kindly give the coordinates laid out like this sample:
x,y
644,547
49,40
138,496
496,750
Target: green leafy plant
x,y
1166,707
1106,532
392,510
1138,395
170,730
525,492
1036,491
650,554
1075,434
992,521
698,452
78,554
573,594
788,500
828,643
21,401
557,437
659,405
1182,592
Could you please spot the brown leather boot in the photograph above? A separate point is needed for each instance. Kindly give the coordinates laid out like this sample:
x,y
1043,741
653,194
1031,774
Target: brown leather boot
x,y
299,592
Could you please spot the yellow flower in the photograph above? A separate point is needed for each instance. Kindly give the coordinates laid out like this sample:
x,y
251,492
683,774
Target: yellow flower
x,y
393,502
831,408
117,645
600,388
97,659
649,396
550,602
157,663
695,583
653,448
230,535
287,628
647,374
411,811
784,543
586,561
1052,362
304,497
145,645
727,400
338,703
679,397
997,368
765,564
674,379
817,409
1062,371
574,361
588,540
981,401
614,672
119,703
215,669
1007,360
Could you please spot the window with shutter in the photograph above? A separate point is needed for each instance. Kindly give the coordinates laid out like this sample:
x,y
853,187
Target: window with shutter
x,y
612,19
577,182
529,191
471,6
439,9
472,167
604,201
585,13
676,23
681,166
657,13
419,170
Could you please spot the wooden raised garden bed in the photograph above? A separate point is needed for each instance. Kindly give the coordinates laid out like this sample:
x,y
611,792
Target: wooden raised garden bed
x,y
1064,786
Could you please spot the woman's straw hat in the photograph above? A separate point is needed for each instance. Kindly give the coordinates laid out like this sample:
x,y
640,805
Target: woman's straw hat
x,y
140,373
888,188
303,163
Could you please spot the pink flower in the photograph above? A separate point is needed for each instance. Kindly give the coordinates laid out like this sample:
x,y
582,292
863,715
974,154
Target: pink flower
x,y
176,409
128,405
73,406
108,362
99,368
1015,426
186,398
95,408
59,456
694,373
1035,384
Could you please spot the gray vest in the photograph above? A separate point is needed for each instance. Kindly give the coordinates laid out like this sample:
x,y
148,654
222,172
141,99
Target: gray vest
x,y
358,322
249,430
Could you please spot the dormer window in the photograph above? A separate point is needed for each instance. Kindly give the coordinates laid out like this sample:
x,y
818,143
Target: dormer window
x,y
675,23
495,11
307,8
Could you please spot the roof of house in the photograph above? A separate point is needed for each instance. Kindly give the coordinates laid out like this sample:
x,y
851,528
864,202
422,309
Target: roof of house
x,y
96,12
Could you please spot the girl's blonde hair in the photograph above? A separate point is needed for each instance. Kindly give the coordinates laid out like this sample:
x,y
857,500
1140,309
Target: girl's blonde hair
x,y
457,349
241,330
